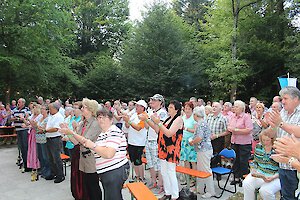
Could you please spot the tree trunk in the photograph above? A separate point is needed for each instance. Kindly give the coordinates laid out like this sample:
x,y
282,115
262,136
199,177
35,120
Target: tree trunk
x,y
235,13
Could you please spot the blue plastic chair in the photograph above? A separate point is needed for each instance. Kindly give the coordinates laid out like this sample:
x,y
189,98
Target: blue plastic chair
x,y
219,171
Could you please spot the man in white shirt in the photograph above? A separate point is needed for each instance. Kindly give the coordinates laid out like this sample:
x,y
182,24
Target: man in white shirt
x,y
54,143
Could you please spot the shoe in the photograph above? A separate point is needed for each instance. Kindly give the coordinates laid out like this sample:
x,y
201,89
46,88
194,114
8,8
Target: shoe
x,y
165,197
158,190
27,169
183,183
151,185
34,176
59,180
133,180
192,184
207,195
143,180
234,182
22,169
51,177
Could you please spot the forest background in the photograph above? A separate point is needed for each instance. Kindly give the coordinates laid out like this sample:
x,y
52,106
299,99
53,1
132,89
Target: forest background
x,y
211,49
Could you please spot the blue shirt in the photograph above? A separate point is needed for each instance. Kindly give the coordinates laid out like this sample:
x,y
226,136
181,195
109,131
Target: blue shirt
x,y
203,131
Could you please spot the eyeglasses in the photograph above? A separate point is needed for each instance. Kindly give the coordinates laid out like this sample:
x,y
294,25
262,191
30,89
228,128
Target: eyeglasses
x,y
101,117
83,107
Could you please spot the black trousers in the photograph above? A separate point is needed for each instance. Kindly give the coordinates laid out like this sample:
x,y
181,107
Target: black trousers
x,y
218,146
91,181
54,146
241,166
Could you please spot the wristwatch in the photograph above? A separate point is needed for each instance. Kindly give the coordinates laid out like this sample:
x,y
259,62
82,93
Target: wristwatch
x,y
281,124
95,145
291,160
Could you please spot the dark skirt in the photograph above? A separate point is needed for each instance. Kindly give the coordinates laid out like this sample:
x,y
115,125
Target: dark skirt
x,y
78,189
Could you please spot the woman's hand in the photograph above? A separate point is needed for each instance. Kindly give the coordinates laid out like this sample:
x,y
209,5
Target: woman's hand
x,y
155,119
126,118
74,125
268,179
143,117
66,131
230,129
87,143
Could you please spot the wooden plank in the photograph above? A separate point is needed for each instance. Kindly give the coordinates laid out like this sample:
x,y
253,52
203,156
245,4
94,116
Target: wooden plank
x,y
64,156
192,172
140,191
10,135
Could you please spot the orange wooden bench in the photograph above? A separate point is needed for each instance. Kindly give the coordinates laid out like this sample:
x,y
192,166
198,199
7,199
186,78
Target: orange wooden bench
x,y
192,172
7,131
10,135
64,158
140,191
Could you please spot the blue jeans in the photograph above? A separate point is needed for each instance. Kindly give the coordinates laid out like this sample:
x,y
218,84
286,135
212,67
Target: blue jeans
x,y
289,183
112,182
23,145
44,160
54,146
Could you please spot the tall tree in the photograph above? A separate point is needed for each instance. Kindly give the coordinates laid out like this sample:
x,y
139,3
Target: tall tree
x,y
34,40
162,57
102,27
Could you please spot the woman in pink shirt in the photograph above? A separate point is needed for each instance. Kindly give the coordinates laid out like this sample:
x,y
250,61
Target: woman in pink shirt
x,y
240,125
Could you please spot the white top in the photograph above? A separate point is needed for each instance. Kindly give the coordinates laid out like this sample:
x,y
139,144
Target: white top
x,y
113,138
62,111
137,138
129,113
163,115
53,122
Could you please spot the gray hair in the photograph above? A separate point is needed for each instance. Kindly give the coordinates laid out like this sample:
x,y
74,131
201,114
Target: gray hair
x,y
291,91
240,104
193,99
23,100
228,104
55,105
279,105
199,111
69,108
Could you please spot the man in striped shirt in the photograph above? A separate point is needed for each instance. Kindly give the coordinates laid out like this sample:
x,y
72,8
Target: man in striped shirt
x,y
285,123
20,114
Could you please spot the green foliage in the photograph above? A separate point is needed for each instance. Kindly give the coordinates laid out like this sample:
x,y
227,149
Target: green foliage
x,y
197,48
162,55
34,39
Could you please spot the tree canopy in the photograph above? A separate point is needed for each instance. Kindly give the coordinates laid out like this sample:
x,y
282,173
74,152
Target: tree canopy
x,y
211,49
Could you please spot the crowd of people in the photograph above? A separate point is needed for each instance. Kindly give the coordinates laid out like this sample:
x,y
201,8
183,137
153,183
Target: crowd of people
x,y
103,140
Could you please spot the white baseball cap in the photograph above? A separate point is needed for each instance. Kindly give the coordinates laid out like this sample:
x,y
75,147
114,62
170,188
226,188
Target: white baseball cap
x,y
142,103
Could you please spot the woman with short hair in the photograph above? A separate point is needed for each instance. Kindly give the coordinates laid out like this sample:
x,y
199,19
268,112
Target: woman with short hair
x,y
110,153
240,125
264,171
202,143
187,151
89,129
